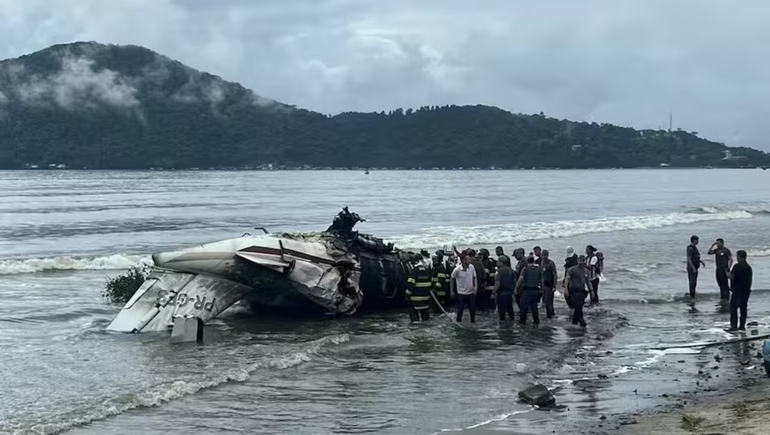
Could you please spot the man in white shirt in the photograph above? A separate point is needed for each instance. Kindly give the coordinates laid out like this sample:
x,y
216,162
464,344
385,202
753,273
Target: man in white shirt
x,y
464,284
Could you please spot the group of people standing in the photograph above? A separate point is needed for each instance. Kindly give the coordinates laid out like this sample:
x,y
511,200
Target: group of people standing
x,y
734,279
480,282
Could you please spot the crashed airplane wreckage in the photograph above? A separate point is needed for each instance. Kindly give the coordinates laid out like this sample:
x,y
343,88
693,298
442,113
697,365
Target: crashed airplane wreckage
x,y
338,271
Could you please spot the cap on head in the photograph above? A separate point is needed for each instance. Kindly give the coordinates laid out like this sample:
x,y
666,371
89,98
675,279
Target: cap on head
x,y
720,240
590,248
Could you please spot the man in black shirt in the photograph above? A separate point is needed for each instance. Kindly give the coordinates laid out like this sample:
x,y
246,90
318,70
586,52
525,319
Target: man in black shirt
x,y
693,264
550,278
724,261
741,276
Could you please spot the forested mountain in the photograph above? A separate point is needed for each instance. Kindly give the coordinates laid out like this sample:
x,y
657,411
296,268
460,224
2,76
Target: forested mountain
x,y
106,106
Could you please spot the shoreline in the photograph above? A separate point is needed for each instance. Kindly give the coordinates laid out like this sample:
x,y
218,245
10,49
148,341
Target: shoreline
x,y
729,397
353,169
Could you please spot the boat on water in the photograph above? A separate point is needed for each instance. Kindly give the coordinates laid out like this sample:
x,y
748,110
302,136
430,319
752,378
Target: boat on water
x,y
336,272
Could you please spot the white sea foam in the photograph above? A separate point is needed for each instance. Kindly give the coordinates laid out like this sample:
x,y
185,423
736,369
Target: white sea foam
x,y
33,265
521,232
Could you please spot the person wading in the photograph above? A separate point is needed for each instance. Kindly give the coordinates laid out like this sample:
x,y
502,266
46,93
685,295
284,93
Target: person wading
x,y
693,264
464,285
485,300
418,290
440,282
724,262
577,288
740,276
550,278
528,286
570,261
504,284
521,263
592,262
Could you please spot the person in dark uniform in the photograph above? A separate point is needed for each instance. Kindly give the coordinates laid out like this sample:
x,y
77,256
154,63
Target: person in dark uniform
x,y
521,263
570,261
724,262
528,286
418,290
484,299
740,276
499,251
550,278
693,264
578,286
504,284
481,276
440,283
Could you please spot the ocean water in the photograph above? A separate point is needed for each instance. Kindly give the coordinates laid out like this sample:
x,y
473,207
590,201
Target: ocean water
x,y
63,233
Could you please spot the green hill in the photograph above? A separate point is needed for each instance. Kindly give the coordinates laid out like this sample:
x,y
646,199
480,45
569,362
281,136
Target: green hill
x,y
122,107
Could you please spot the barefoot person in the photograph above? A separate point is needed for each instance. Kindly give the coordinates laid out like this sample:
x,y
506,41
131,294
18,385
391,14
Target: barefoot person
x,y
740,276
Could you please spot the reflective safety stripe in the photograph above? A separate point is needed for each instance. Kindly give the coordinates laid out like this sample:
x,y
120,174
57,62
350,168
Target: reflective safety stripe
x,y
408,292
440,293
410,280
421,307
423,284
442,275
490,287
419,298
486,270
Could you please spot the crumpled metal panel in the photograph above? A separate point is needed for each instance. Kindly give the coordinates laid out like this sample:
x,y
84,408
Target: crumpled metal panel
x,y
167,294
320,283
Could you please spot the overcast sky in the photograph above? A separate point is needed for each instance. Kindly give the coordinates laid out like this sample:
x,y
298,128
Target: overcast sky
x,y
627,62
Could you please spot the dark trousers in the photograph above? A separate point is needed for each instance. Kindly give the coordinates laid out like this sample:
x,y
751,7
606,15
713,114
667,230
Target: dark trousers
x,y
578,298
595,293
484,300
416,314
466,301
529,300
692,279
505,305
738,301
724,285
548,293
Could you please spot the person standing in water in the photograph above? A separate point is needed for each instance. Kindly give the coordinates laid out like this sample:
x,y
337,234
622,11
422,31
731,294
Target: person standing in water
x,y
528,286
592,262
693,264
578,286
570,261
740,276
464,284
504,284
550,278
724,262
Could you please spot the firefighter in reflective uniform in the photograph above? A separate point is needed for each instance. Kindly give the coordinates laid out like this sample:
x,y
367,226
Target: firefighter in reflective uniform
x,y
441,287
484,297
418,290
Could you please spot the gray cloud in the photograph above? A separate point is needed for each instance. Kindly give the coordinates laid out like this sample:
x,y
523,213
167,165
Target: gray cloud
x,y
628,63
77,85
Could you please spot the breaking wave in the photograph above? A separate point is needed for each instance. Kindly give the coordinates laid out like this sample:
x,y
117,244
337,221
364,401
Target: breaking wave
x,y
515,233
33,265
165,392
